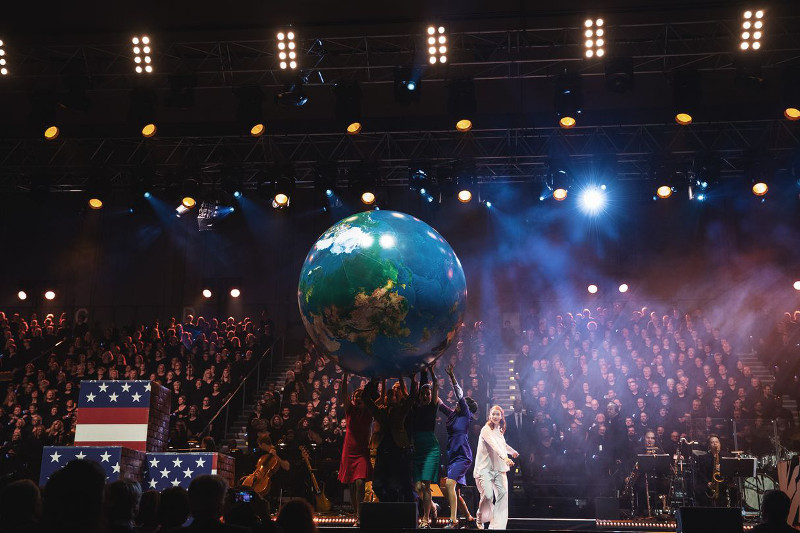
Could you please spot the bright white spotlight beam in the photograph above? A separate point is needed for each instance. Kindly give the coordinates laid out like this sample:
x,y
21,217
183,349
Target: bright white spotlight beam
x,y
592,200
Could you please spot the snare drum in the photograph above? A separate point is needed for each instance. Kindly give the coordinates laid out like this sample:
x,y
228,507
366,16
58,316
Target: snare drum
x,y
754,489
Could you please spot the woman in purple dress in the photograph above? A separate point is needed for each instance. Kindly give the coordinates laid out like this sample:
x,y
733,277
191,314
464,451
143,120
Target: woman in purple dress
x,y
459,454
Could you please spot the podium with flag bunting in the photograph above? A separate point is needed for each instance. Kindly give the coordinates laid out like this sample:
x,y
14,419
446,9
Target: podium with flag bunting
x,y
124,427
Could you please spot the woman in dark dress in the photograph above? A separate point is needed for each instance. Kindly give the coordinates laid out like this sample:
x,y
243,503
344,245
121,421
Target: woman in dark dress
x,y
426,446
459,453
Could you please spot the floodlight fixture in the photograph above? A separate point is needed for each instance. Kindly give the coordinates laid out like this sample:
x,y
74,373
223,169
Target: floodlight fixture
x,y
594,35
3,61
287,49
752,30
436,44
142,50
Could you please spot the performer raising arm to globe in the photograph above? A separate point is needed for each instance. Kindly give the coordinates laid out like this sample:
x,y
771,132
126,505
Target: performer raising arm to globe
x,y
355,467
426,447
459,454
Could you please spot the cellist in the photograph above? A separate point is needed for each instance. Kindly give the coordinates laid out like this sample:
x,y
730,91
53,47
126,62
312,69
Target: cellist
x,y
266,468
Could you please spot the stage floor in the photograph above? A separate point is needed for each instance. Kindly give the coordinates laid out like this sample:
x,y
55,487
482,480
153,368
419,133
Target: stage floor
x,y
344,524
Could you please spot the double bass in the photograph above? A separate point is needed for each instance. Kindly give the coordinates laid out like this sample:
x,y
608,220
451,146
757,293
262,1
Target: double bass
x,y
261,478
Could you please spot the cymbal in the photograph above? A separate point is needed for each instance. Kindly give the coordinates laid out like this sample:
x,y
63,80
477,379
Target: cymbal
x,y
736,452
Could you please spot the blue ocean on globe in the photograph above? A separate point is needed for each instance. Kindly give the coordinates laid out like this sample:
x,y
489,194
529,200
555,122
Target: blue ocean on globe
x,y
382,293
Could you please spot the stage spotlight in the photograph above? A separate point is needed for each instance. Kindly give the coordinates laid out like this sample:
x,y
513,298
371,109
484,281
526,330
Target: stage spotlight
x,y
284,188
796,285
568,99
664,191
142,60
464,196
52,132
97,188
792,113
142,111
189,190
558,179
207,293
488,204
292,95
760,188
3,67
592,289
623,288
348,107
22,295
619,74
595,38
287,50
592,200
686,95
148,130
368,198
235,293
50,295
461,103
407,85
231,185
437,45
249,110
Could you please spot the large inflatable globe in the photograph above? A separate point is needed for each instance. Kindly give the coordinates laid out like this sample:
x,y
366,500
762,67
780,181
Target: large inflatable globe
x,y
382,293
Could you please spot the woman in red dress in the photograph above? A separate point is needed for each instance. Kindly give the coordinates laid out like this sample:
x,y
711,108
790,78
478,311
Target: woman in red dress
x,y
355,467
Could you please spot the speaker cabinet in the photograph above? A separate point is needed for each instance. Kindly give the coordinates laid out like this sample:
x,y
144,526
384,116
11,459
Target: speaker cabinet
x,y
606,508
705,519
388,516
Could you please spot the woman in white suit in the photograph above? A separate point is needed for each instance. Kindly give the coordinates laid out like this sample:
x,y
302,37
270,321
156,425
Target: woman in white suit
x,y
491,464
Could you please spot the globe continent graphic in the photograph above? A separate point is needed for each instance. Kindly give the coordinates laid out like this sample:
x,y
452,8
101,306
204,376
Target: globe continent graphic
x,y
383,293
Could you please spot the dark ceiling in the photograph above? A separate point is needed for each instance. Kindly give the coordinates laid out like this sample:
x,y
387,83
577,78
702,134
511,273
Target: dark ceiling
x,y
513,51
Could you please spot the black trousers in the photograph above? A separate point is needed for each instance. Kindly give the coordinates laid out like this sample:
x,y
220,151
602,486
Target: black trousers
x,y
393,479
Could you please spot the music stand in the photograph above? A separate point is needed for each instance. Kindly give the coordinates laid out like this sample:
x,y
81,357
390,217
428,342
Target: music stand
x,y
652,464
737,468
658,464
731,467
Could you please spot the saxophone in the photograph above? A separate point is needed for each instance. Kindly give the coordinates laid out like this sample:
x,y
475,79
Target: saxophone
x,y
716,480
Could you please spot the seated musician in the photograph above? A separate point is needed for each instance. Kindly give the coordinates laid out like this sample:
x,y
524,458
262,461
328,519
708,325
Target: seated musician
x,y
270,473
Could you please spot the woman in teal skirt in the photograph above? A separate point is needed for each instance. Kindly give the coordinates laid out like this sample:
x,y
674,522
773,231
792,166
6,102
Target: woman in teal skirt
x,y
426,446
